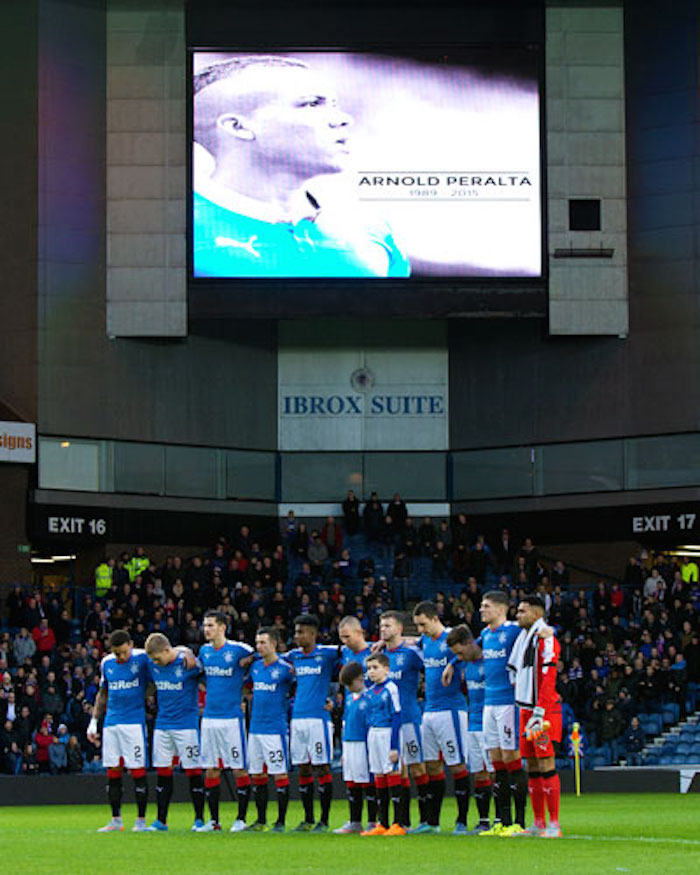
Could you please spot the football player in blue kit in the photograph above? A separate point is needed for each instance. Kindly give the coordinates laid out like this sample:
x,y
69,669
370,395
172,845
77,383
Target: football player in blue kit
x,y
405,668
479,762
268,734
271,126
225,664
445,722
311,736
124,680
175,673
501,724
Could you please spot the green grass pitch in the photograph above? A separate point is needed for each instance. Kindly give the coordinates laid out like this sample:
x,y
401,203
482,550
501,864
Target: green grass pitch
x,y
604,833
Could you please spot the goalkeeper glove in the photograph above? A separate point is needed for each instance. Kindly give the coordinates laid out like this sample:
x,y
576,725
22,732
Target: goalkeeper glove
x,y
535,725
92,726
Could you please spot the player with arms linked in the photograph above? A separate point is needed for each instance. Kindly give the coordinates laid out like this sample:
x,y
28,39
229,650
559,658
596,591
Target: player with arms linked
x,y
223,727
460,641
175,673
445,721
311,732
121,697
268,739
405,667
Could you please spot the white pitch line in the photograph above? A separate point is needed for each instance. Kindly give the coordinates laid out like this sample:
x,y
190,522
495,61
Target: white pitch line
x,y
648,839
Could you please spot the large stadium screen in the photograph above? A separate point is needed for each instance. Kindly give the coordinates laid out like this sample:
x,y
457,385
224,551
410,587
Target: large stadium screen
x,y
412,166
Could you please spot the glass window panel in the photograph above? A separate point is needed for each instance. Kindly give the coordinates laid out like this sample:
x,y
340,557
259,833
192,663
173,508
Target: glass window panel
x,y
595,466
308,477
492,473
250,475
191,471
415,476
671,460
139,468
69,464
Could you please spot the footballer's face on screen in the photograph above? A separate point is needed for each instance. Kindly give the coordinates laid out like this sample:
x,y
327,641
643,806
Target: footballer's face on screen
x,y
295,124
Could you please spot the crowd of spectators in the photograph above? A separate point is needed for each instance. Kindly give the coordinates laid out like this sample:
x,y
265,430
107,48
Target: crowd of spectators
x,y
628,645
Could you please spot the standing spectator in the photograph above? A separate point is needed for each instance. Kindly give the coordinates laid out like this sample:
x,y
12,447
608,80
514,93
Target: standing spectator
x,y
461,532
24,646
300,543
633,740
351,514
30,763
398,512
44,637
426,537
611,728
654,585
373,516
74,756
43,739
560,575
332,537
14,603
317,552
689,570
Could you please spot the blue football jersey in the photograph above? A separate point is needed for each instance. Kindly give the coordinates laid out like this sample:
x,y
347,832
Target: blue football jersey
x,y
475,678
178,706
314,672
384,709
229,244
126,684
405,666
355,717
436,655
225,676
271,686
496,645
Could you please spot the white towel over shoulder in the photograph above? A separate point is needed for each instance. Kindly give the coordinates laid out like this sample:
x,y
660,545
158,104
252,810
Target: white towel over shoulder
x,y
523,661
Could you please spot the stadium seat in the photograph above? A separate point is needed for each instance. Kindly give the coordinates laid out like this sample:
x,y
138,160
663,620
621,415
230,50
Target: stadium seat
x,y
695,752
671,714
684,749
678,759
652,758
599,760
654,724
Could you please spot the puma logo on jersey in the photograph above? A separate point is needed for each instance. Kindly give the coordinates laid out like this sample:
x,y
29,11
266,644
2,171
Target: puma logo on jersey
x,y
248,245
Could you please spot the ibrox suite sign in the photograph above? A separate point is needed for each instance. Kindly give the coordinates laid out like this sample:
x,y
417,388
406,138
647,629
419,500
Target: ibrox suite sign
x,y
361,405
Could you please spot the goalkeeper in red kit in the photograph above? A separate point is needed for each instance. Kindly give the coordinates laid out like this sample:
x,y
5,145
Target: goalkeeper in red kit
x,y
533,660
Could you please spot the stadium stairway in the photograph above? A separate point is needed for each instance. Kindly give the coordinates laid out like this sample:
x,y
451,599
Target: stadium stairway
x,y
678,745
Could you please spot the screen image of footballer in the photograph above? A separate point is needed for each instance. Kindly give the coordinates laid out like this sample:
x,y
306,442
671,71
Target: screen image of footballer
x,y
325,164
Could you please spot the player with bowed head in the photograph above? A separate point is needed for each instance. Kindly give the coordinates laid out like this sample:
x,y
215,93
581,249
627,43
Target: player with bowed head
x,y
124,681
175,673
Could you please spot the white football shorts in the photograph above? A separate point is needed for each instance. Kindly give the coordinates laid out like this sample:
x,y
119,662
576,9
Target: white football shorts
x,y
311,741
124,745
268,751
355,762
445,732
180,743
223,743
501,727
